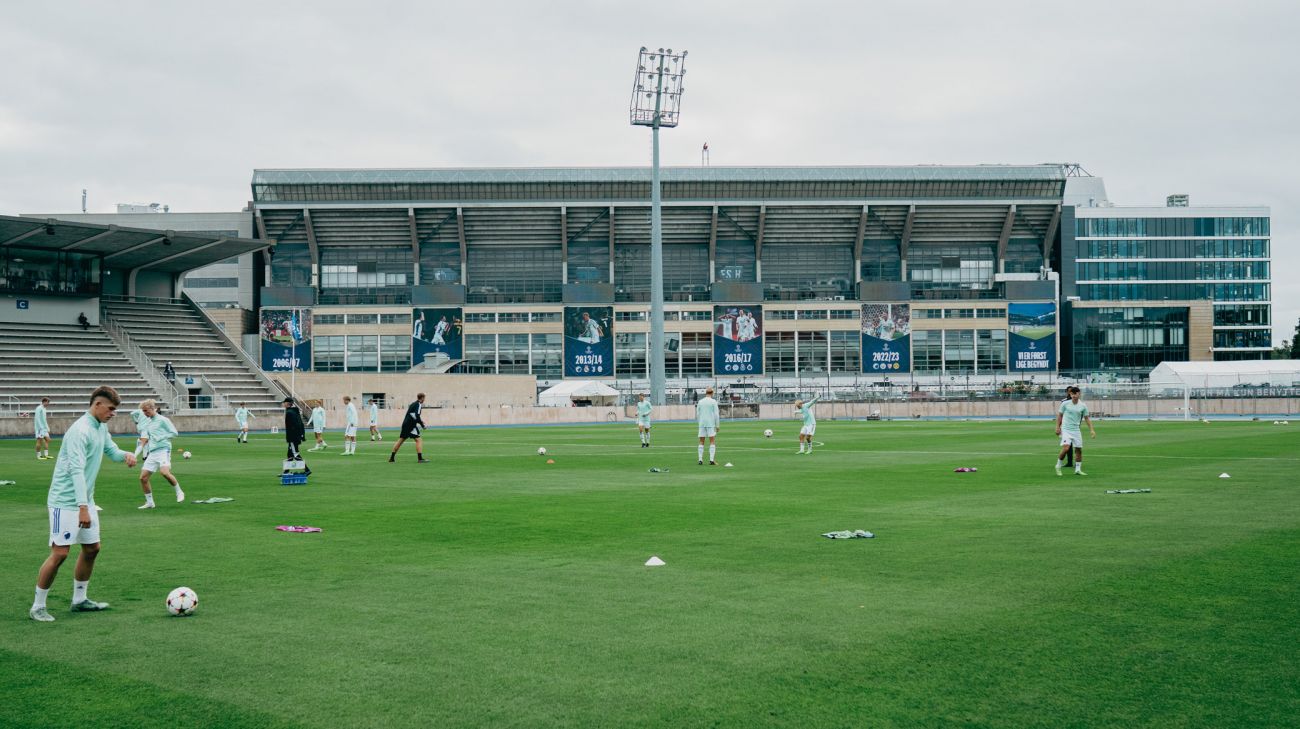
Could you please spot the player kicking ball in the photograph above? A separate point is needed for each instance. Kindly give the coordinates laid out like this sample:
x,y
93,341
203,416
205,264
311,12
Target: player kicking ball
x,y
157,432
708,419
72,499
1068,418
350,432
805,411
643,409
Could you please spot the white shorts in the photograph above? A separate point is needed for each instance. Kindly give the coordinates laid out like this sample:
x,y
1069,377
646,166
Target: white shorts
x,y
706,432
350,431
243,426
42,434
1072,439
66,530
808,429
156,460
643,422
318,431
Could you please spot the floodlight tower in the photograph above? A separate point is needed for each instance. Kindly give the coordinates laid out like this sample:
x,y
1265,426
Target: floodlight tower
x,y
656,102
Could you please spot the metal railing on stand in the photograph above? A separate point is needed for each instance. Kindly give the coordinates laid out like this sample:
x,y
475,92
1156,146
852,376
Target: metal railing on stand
x,y
167,391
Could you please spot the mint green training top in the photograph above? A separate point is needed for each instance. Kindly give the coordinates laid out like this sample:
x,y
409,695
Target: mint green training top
x,y
643,409
84,446
41,422
1072,415
806,410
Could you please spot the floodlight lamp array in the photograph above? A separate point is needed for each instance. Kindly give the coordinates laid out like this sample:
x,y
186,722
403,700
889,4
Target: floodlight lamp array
x,y
657,88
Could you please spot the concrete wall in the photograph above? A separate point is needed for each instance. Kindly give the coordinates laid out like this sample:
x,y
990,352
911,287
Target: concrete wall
x,y
47,309
400,388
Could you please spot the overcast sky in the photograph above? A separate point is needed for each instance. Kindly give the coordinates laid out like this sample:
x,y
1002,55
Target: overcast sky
x,y
145,102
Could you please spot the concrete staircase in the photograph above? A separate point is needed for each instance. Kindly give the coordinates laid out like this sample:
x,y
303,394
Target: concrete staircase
x,y
64,363
176,332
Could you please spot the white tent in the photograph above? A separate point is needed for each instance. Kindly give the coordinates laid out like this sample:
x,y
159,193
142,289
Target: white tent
x,y
1171,376
566,393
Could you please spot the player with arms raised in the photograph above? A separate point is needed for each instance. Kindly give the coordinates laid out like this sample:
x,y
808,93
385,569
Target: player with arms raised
x,y
71,502
805,410
1068,417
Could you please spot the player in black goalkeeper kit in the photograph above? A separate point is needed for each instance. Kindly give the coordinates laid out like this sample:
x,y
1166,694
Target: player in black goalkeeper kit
x,y
412,424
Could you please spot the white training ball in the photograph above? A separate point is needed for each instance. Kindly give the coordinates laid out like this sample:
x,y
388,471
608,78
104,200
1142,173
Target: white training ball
x,y
541,451
182,601
767,433
187,455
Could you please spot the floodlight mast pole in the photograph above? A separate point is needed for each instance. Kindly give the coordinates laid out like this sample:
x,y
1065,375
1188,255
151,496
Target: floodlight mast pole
x,y
657,367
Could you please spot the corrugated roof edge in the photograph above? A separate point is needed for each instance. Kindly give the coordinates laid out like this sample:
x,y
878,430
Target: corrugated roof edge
x,y
669,174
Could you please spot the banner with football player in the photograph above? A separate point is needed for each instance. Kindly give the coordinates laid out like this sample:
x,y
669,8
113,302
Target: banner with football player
x,y
737,340
286,340
886,339
588,341
1032,339
437,335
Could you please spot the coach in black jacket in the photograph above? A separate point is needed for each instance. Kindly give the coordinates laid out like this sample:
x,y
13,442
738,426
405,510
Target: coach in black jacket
x,y
412,424
294,433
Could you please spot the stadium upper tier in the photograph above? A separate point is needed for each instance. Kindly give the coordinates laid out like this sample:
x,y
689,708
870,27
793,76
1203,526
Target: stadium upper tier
x,y
1046,181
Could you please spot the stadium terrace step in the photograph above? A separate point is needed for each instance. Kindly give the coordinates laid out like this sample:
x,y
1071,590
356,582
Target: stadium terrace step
x,y
64,363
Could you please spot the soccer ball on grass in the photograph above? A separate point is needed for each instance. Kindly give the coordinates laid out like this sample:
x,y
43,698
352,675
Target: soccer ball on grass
x,y
767,433
182,601
541,451
187,455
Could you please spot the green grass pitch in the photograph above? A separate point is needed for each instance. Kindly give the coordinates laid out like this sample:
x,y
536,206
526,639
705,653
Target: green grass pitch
x,y
488,588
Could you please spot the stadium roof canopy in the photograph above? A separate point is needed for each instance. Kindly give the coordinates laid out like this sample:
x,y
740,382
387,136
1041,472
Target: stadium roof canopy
x,y
125,248
920,173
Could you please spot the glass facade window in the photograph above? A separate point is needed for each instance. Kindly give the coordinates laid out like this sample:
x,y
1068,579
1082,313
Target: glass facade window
x,y
1243,338
548,355
481,353
1242,315
630,355
589,262
697,316
480,317
1174,248
735,261
778,314
697,354
927,313
950,267
1171,227
991,350
778,353
546,316
512,316
846,352
1173,271
319,319
881,261
1023,255
367,319
990,313
328,353
813,314
927,351
630,316
439,263
394,352
1176,291
513,274
794,272
197,282
356,267
958,351
512,354
363,353
812,353
846,313
1128,337
291,265
394,318
959,313
686,272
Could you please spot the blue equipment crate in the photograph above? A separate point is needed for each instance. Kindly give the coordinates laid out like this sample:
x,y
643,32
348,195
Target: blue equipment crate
x,y
293,479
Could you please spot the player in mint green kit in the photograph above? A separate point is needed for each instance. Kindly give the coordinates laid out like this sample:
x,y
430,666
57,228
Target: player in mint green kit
x,y
72,500
42,423
374,421
805,410
643,409
318,427
708,418
350,432
1068,418
157,432
241,416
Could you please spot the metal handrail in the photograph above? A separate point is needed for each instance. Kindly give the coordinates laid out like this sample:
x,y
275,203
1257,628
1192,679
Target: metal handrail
x,y
256,367
167,391
11,403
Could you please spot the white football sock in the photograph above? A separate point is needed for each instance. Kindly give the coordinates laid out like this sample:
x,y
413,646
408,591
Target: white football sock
x,y
148,498
713,451
701,451
177,486
47,452
79,590
1078,466
39,602
1060,462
